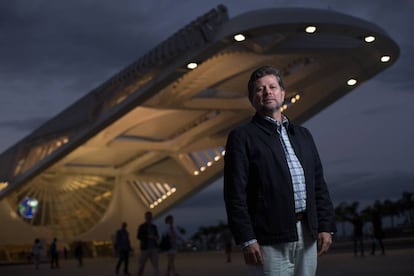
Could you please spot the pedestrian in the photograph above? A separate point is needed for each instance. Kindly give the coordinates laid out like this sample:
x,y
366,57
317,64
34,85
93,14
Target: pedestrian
x,y
147,234
36,250
171,235
358,234
277,201
377,233
54,254
123,248
79,253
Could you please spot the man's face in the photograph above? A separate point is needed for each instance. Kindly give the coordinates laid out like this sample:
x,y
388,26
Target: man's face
x,y
268,96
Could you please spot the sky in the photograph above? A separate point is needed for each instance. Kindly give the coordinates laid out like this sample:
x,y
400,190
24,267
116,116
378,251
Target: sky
x,y
52,53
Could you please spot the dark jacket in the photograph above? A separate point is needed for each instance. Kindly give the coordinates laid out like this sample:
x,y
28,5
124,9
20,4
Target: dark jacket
x,y
258,189
146,233
122,242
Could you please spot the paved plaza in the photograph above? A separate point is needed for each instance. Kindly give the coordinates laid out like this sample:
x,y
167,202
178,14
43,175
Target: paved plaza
x,y
397,262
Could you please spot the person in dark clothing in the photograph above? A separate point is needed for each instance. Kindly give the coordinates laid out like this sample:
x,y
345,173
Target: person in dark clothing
x,y
123,248
377,233
54,254
358,235
277,201
79,253
147,234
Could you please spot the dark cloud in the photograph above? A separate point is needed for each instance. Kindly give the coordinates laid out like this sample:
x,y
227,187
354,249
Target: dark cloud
x,y
371,186
27,124
212,195
84,41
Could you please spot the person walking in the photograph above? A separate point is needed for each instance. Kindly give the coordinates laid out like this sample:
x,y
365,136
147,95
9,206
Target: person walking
x,y
36,250
171,234
377,233
147,234
79,253
358,234
54,254
277,201
123,248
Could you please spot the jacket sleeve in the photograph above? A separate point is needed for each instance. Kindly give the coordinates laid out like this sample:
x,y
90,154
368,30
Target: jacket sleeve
x,y
236,176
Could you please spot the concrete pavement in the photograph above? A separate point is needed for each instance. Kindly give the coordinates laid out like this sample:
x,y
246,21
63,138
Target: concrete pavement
x,y
398,262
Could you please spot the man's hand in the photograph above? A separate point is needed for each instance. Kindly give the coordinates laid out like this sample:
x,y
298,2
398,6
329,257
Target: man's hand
x,y
252,254
324,242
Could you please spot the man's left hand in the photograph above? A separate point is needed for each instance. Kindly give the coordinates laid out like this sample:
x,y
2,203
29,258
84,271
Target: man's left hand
x,y
324,242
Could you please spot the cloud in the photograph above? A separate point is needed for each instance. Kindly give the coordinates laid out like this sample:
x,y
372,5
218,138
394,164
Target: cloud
x,y
368,187
212,195
27,124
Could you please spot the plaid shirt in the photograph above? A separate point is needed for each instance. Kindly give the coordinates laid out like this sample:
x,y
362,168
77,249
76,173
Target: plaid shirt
x,y
295,168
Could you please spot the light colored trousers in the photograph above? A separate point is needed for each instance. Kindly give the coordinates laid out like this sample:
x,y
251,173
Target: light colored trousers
x,y
152,255
289,259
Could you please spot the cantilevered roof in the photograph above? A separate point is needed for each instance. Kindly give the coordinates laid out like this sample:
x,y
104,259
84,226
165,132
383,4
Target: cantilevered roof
x,y
155,132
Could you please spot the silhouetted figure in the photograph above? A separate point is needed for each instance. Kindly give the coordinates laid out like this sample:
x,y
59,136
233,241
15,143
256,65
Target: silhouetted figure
x,y
377,233
148,236
358,234
172,250
123,248
79,253
36,250
54,254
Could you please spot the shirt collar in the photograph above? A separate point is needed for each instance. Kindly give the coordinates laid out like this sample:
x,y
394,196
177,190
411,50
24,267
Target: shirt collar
x,y
285,121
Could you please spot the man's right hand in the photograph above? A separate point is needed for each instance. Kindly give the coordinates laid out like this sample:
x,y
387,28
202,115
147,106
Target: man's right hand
x,y
252,254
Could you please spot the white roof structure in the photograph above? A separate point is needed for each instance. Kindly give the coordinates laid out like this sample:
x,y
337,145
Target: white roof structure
x,y
154,133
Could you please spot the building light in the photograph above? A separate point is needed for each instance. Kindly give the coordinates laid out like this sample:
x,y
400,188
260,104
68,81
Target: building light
x,y
239,37
192,65
3,185
385,58
369,39
310,29
351,82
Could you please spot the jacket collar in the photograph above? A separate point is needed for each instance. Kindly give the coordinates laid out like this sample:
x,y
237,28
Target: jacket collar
x,y
269,126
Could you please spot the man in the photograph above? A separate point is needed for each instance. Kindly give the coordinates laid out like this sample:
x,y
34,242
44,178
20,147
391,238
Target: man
x,y
123,248
172,250
54,254
148,236
277,201
37,250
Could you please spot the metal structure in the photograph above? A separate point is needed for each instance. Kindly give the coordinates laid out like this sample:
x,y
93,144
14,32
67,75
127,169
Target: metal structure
x,y
154,133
